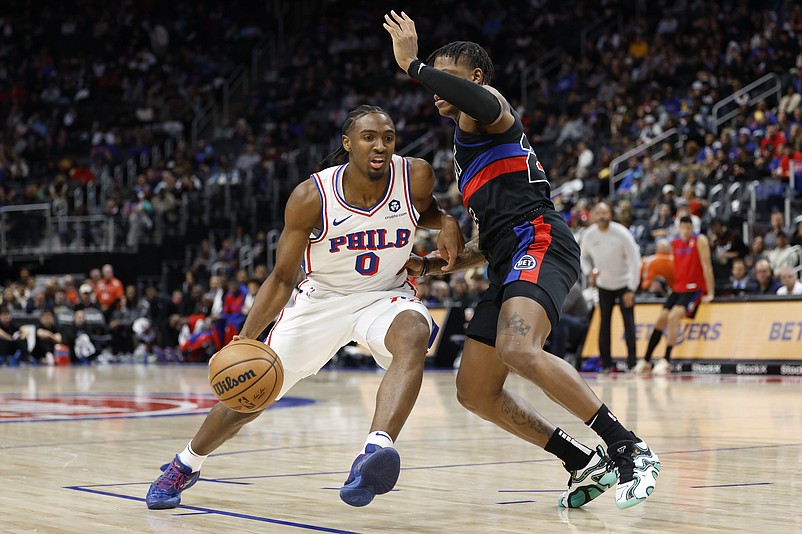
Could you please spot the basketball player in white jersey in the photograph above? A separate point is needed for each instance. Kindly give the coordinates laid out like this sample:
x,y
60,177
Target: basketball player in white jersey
x,y
351,229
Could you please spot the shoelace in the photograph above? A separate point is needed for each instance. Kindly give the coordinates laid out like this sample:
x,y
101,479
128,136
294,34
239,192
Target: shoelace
x,y
171,479
625,463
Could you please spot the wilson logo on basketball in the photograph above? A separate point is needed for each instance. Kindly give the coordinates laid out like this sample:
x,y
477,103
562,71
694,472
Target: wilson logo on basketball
x,y
230,383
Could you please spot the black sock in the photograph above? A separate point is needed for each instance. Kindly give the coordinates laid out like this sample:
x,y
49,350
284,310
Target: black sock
x,y
605,424
668,352
653,341
573,454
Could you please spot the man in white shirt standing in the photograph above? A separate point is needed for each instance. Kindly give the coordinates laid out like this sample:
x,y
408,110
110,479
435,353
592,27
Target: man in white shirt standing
x,y
611,259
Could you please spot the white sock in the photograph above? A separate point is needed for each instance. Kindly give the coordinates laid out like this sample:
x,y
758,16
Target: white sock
x,y
191,459
380,438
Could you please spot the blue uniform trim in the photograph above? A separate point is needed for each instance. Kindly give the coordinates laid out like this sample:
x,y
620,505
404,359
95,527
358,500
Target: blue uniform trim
x,y
526,236
491,155
370,211
324,226
457,141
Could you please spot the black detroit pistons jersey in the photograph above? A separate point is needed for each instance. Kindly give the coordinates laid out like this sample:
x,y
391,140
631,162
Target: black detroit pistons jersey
x,y
500,178
360,249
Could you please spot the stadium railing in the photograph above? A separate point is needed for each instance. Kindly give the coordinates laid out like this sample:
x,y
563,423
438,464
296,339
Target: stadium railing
x,y
764,87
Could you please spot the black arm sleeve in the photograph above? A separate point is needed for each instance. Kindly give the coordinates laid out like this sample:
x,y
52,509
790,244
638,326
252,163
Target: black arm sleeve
x,y
468,97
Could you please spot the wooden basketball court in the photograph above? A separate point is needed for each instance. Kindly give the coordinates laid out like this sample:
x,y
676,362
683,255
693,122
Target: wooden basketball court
x,y
81,445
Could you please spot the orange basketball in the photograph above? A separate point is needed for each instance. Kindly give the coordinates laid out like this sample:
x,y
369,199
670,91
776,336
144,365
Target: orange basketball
x,y
246,376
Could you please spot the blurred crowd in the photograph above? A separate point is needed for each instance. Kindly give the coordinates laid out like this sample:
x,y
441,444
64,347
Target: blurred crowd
x,y
102,318
85,87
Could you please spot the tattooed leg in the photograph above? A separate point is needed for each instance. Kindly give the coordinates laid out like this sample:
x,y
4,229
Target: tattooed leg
x,y
480,388
519,417
522,331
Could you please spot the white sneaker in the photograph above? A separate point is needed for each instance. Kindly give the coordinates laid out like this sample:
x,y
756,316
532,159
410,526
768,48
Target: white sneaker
x,y
643,367
661,367
638,468
589,482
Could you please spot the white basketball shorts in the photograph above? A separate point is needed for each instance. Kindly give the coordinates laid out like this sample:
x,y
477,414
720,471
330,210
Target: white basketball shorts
x,y
314,326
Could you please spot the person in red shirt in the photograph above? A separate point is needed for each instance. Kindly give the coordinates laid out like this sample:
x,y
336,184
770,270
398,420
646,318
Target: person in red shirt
x,y
693,282
109,291
232,310
771,144
782,164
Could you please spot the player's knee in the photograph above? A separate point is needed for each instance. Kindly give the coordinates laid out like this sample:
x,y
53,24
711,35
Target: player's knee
x,y
524,360
676,315
472,398
409,338
470,402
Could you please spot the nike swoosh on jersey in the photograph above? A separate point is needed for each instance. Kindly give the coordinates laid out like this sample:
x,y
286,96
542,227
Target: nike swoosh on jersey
x,y
335,222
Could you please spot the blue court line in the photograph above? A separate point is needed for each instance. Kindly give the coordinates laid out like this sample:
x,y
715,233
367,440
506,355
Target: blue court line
x,y
323,473
734,485
446,466
220,512
514,502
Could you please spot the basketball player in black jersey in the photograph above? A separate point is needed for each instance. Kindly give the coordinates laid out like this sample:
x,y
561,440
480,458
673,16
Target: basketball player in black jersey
x,y
533,262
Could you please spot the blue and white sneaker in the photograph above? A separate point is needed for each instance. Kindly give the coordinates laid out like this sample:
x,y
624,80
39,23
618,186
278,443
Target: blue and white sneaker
x,y
590,481
165,492
373,473
638,468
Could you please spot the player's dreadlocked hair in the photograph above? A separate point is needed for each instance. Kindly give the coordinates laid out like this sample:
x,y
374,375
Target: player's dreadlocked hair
x,y
340,155
469,53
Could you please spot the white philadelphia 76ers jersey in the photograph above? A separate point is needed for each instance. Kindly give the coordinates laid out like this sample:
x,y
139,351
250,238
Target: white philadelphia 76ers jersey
x,y
359,249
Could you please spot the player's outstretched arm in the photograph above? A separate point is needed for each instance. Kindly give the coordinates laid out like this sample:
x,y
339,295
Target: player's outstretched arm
x,y
301,216
481,103
433,264
450,240
471,257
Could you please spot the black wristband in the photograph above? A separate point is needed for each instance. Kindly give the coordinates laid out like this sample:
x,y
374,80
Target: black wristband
x,y
466,96
414,68
425,268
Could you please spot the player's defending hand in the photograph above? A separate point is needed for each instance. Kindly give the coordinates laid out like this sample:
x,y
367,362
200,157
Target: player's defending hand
x,y
450,241
414,266
405,39
708,298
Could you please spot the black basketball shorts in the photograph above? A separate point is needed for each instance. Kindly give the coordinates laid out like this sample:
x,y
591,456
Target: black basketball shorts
x,y
538,259
689,300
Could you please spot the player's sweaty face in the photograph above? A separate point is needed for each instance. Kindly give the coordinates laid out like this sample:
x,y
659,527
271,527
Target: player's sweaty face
x,y
372,141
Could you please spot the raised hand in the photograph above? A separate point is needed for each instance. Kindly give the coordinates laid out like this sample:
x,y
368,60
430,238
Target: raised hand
x,y
405,39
